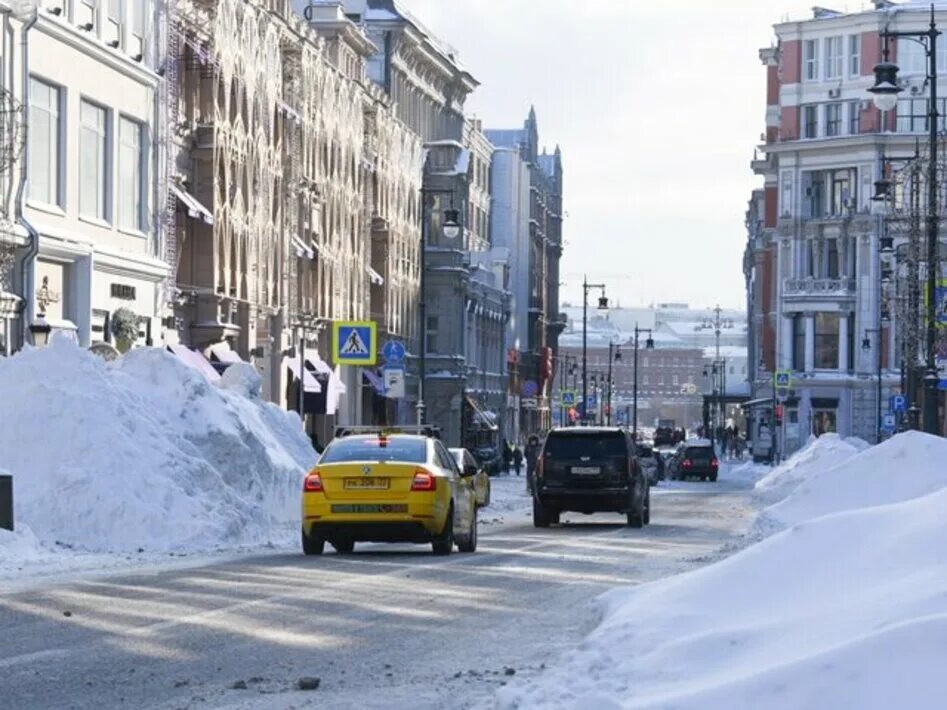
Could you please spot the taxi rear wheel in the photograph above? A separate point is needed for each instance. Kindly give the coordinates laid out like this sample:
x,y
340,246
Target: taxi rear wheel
x,y
469,541
443,544
312,545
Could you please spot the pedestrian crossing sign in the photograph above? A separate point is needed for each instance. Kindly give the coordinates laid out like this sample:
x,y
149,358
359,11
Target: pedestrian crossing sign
x,y
354,342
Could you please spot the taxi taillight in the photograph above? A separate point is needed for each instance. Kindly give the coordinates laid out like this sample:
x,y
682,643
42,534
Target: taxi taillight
x,y
424,481
313,483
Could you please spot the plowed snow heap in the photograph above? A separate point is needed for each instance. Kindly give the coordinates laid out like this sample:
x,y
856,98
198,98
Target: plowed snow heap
x,y
145,453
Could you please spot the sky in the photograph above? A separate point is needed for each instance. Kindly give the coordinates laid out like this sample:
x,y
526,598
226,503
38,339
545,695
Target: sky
x,y
657,106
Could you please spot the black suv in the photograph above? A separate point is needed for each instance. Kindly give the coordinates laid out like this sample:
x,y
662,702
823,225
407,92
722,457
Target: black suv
x,y
696,459
589,470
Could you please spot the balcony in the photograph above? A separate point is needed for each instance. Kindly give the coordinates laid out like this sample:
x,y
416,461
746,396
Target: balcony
x,y
819,289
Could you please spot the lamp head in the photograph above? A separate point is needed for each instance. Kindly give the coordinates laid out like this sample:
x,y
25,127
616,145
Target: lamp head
x,y
451,226
885,90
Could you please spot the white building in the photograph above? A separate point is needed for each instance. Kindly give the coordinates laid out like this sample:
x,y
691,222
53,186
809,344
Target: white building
x,y
92,161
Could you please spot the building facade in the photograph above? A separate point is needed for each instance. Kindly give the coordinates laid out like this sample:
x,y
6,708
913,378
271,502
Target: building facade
x,y
815,240
89,240
532,339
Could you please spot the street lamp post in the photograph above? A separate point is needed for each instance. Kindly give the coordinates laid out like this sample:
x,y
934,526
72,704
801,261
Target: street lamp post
x,y
616,357
451,230
885,93
602,306
649,345
866,346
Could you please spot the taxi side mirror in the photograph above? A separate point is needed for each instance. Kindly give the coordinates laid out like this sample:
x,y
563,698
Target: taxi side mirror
x,y
470,471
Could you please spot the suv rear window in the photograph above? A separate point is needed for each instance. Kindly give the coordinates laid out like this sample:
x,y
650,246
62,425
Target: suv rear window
x,y
699,453
595,446
396,448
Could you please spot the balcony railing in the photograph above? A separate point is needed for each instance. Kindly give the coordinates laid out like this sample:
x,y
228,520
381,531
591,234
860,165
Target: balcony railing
x,y
810,286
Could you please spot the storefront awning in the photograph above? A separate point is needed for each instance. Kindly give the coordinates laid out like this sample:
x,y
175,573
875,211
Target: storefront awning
x,y
310,383
222,353
336,388
482,418
195,360
377,383
757,403
194,208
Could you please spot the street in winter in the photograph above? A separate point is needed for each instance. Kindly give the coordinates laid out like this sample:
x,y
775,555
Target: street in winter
x,y
467,354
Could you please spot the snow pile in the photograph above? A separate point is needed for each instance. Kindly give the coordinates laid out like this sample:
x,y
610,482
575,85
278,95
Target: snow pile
x,y
819,454
145,453
843,610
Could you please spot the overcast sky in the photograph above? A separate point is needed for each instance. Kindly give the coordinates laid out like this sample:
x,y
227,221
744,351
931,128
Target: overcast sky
x,y
657,105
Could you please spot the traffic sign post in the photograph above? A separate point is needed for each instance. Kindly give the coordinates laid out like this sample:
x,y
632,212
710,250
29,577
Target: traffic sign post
x,y
354,342
898,403
889,423
783,379
393,377
394,352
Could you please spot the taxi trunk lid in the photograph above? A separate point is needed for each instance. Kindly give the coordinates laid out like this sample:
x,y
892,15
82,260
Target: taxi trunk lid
x,y
368,480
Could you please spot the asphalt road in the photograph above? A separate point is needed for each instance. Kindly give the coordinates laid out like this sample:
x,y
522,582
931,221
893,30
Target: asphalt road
x,y
385,627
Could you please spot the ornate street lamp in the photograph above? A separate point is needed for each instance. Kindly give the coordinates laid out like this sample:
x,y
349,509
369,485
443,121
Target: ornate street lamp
x,y
40,329
451,226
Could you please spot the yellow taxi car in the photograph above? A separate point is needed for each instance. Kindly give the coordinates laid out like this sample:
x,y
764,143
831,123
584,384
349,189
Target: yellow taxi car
x,y
388,487
481,480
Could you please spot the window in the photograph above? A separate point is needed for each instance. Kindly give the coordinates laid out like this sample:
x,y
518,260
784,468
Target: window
x,y
810,121
646,379
675,380
93,161
826,341
813,187
912,115
841,195
113,25
833,57
833,119
395,448
432,334
130,168
854,117
831,262
139,18
44,159
912,57
810,59
854,55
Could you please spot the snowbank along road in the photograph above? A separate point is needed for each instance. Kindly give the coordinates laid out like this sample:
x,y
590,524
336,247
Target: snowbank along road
x,y
388,626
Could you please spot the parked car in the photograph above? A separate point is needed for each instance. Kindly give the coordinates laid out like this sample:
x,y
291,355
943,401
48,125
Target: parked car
x,y
695,458
590,470
489,458
648,459
481,481
388,488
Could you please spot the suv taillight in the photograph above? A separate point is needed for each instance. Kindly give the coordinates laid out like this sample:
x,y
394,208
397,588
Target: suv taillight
x,y
313,483
424,481
714,463
687,463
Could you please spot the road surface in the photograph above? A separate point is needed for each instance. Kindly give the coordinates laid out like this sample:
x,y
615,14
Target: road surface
x,y
388,626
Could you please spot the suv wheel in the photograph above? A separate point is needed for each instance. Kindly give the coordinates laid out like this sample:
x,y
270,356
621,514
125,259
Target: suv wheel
x,y
541,518
636,516
443,544
647,508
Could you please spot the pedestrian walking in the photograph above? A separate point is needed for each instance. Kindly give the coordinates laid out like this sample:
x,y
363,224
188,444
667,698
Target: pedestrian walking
x,y
532,457
517,459
507,453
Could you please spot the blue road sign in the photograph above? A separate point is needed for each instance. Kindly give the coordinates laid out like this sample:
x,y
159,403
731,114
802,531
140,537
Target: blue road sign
x,y
889,422
354,342
568,398
394,352
899,403
529,388
593,401
783,379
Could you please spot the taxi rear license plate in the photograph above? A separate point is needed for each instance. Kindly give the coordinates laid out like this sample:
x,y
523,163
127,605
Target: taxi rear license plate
x,y
370,508
366,484
585,470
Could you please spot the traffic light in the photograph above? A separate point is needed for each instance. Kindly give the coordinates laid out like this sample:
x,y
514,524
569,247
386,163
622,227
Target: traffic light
x,y
779,414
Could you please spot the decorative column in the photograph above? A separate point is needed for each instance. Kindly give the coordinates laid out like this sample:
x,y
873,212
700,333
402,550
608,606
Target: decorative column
x,y
843,343
810,342
787,344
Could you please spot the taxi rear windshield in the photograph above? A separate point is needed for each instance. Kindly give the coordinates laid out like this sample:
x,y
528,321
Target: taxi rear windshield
x,y
392,449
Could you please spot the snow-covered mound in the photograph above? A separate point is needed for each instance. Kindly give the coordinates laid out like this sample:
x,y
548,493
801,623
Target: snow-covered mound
x,y
906,466
145,453
820,453
845,609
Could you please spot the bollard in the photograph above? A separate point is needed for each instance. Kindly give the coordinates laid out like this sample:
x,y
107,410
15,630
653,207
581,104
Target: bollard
x,y
6,501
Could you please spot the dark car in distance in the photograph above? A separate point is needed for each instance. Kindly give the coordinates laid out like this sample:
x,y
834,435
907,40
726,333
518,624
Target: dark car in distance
x,y
696,458
489,459
590,470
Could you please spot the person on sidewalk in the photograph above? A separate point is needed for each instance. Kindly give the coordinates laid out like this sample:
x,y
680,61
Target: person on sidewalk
x,y
506,452
532,457
517,459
